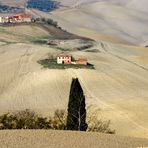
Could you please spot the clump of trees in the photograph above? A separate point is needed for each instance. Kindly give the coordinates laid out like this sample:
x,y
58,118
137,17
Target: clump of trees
x,y
28,119
23,120
96,124
76,119
72,119
47,21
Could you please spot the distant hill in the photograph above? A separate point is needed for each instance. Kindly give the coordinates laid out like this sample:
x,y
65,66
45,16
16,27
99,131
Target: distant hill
x,y
133,4
125,20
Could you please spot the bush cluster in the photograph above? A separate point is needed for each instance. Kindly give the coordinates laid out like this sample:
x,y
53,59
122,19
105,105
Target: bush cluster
x,y
23,120
28,119
48,21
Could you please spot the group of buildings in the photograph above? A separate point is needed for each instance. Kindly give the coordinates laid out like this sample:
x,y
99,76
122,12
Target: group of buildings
x,y
67,59
16,18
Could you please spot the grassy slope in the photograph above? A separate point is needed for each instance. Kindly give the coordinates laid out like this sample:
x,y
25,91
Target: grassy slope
x,y
22,33
118,86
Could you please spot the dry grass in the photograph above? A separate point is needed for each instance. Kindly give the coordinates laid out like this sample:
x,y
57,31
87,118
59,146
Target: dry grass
x,y
22,33
118,85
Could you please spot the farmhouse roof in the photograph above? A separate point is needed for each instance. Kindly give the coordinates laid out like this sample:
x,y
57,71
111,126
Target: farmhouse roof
x,y
23,15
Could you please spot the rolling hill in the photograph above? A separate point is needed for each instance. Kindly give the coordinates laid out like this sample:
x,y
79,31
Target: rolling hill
x,y
117,20
118,85
126,21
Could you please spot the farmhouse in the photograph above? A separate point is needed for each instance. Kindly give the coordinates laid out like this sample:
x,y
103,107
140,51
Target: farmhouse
x,y
67,59
17,18
64,59
4,19
81,61
22,17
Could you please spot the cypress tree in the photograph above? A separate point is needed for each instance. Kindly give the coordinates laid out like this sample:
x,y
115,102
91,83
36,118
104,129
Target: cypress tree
x,y
76,118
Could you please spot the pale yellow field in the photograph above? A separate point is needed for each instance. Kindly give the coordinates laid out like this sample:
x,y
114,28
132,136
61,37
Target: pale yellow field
x,y
118,86
23,33
66,139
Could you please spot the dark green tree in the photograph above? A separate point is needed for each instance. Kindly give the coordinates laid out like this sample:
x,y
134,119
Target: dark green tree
x,y
76,118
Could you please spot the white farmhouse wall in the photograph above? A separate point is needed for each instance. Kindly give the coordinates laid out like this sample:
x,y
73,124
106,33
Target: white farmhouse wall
x,y
59,60
1,19
63,59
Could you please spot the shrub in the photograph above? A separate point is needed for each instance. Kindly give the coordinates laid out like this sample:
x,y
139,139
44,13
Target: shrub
x,y
28,119
40,41
76,119
23,120
98,125
59,120
49,22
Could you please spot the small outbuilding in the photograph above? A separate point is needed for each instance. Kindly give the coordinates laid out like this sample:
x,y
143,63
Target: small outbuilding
x,y
81,61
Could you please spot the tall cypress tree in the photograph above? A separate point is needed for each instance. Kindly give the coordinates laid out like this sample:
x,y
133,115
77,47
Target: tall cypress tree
x,y
76,118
